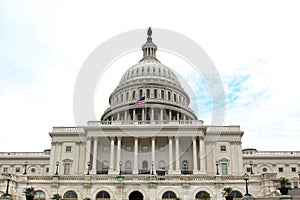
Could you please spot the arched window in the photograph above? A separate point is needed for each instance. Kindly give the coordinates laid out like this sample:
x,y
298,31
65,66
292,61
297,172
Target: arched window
x,y
103,195
148,93
39,195
236,195
105,166
141,93
175,97
155,93
128,167
169,195
133,94
145,164
162,94
162,164
127,96
169,95
121,98
202,195
70,195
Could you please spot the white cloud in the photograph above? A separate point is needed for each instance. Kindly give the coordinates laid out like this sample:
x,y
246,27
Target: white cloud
x,y
43,45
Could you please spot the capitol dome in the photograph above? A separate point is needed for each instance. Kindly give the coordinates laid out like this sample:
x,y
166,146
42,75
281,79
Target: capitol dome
x,y
149,91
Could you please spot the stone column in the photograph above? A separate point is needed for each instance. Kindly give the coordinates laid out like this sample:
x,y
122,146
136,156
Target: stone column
x,y
195,162
88,151
112,153
177,155
170,154
170,115
202,155
161,115
153,153
118,116
93,170
143,114
152,114
133,118
135,158
178,116
119,153
125,116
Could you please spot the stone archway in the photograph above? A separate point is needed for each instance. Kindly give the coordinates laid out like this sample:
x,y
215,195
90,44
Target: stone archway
x,y
136,195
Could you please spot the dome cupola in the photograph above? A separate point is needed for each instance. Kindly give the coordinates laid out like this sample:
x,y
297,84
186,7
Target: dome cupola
x,y
149,91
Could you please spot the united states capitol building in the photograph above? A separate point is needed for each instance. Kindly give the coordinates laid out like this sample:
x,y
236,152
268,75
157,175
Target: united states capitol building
x,y
150,145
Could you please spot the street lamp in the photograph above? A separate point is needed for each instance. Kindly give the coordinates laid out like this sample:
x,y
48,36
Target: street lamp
x,y
8,178
57,164
251,169
246,178
25,168
88,165
217,165
152,173
120,164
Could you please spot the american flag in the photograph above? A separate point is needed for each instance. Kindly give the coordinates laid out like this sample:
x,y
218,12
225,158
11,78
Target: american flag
x,y
140,101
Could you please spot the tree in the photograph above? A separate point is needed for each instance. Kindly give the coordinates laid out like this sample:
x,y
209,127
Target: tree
x,y
205,197
284,185
56,197
29,193
227,193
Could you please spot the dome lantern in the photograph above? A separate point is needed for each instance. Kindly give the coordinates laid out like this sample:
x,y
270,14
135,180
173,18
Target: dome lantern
x,y
149,48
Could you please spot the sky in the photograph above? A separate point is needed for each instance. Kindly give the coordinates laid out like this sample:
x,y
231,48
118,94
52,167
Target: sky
x,y
253,44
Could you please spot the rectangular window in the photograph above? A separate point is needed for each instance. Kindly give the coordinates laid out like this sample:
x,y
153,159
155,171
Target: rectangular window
x,y
184,148
295,184
5,170
18,169
106,149
280,169
47,169
68,149
294,169
129,148
145,148
224,169
223,148
161,148
248,169
67,168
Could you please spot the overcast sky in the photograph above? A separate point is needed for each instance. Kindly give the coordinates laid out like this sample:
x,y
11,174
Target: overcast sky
x,y
254,45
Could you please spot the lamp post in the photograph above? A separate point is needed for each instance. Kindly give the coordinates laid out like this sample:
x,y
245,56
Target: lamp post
x,y
251,169
8,178
57,164
88,168
120,164
217,165
25,168
246,178
152,173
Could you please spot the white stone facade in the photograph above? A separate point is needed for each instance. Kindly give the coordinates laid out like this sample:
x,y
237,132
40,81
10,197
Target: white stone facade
x,y
150,151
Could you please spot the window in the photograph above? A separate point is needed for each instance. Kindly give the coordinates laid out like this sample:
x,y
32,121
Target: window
x,y
169,195
129,148
248,169
127,96
105,166
145,148
33,170
141,93
294,169
162,94
145,164
133,94
47,169
5,170
161,148
128,166
175,97
202,195
280,169
148,93
106,149
39,195
184,148
70,195
67,168
295,184
169,95
224,168
265,169
155,93
18,169
103,195
162,164
68,148
121,98
222,148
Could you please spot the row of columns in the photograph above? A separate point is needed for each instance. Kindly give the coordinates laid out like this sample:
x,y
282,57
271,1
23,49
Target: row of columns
x,y
125,116
114,162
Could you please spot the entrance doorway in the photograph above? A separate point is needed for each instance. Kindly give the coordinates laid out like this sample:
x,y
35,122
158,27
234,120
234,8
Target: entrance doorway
x,y
136,195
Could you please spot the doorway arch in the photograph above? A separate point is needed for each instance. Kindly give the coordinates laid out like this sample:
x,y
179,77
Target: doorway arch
x,y
136,195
